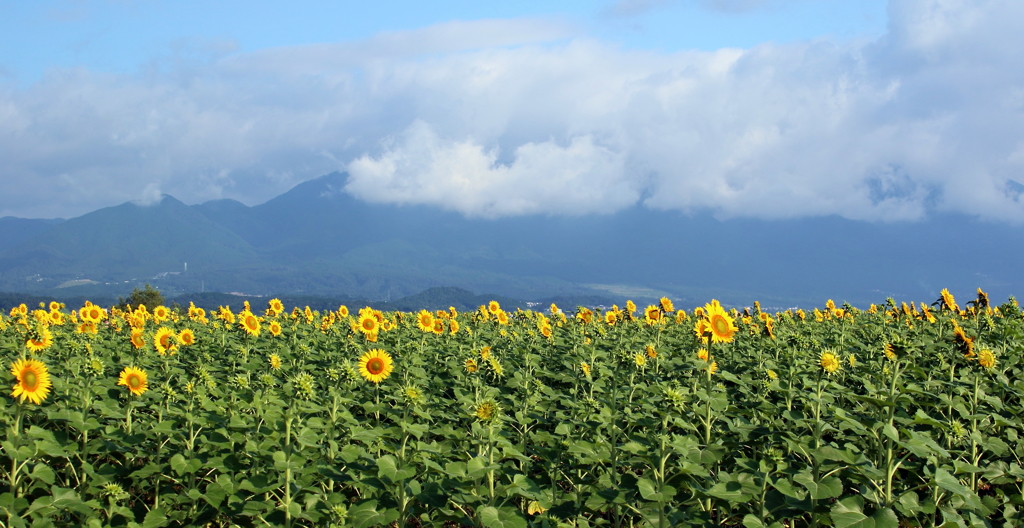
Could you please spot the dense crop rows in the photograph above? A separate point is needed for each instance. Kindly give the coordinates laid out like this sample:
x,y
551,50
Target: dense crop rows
x,y
898,415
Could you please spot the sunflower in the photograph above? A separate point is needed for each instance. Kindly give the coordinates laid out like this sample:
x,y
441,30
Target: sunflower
x,y
163,340
666,305
963,343
986,358
640,359
453,326
546,330
609,318
889,351
134,379
947,301
680,316
224,314
553,309
56,318
852,360
496,366
343,311
630,307
368,324
250,323
702,354
55,306
275,328
187,337
425,321
161,313
138,341
41,341
720,324
712,368
493,307
439,326
375,365
486,410
651,353
308,313
471,365
585,367
86,328
829,362
502,317
275,361
33,380
275,306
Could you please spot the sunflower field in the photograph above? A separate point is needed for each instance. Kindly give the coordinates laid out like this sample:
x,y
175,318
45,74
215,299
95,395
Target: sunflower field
x,y
901,415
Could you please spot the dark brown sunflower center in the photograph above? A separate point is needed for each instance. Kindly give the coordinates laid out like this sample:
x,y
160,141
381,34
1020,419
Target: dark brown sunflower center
x,y
375,366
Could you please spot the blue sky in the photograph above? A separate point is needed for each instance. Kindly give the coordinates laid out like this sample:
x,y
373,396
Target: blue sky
x,y
877,110
125,36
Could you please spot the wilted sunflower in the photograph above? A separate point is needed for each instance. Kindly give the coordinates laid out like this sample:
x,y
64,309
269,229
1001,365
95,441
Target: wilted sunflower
x,y
963,343
720,323
134,379
375,365
33,380
829,362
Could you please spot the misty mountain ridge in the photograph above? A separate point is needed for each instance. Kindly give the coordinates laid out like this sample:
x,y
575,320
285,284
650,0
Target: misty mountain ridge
x,y
317,240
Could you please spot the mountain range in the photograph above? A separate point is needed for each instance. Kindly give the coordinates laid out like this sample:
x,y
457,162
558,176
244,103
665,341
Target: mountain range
x,y
317,240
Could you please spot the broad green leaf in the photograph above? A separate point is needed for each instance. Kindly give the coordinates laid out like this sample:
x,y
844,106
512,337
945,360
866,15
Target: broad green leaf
x,y
492,517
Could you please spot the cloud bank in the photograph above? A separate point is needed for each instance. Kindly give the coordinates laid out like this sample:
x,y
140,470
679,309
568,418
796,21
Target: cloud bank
x,y
508,117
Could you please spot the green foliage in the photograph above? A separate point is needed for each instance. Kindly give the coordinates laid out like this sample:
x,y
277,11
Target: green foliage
x,y
149,297
923,436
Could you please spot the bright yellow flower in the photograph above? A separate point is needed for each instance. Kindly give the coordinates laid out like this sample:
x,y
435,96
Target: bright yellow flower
x,y
425,321
163,340
187,337
720,323
375,365
134,379
41,341
33,380
250,323
829,362
986,358
666,305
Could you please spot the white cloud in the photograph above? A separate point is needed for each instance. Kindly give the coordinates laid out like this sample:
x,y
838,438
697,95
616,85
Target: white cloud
x,y
495,118
580,177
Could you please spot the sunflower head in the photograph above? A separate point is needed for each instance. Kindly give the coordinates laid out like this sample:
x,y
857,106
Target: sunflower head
x,y
666,305
986,358
651,352
250,323
275,361
486,410
471,365
33,380
343,311
493,307
425,321
829,362
585,368
134,379
275,328
138,341
720,324
375,365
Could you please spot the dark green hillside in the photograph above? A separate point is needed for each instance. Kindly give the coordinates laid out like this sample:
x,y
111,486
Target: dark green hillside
x,y
126,242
